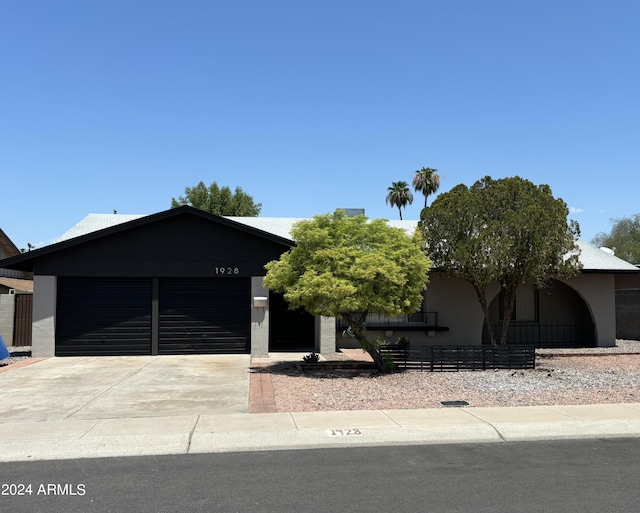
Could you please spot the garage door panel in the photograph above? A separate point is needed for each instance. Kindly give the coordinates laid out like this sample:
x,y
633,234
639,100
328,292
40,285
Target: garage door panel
x,y
111,316
103,316
204,316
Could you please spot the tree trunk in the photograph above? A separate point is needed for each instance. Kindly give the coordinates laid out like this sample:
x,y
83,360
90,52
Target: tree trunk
x,y
368,346
509,303
482,299
374,353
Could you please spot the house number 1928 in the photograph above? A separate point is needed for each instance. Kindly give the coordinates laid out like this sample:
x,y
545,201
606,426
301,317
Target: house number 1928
x,y
226,270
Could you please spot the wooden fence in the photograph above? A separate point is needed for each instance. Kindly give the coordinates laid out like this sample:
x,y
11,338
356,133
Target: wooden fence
x,y
23,319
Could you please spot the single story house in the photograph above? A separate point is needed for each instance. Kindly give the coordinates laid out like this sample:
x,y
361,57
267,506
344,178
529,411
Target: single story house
x,y
184,281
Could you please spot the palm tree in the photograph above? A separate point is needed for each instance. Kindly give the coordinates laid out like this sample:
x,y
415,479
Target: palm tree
x,y
426,181
399,195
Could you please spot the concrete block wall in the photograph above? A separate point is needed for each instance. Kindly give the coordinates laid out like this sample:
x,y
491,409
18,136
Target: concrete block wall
x,y
7,316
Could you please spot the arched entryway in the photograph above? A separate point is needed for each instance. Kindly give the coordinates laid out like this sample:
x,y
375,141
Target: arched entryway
x,y
555,316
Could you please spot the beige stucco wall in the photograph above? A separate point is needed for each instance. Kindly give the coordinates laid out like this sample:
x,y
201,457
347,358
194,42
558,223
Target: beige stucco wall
x,y
458,309
598,292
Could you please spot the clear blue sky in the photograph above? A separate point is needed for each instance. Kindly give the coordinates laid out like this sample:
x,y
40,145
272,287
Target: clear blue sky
x,y
311,106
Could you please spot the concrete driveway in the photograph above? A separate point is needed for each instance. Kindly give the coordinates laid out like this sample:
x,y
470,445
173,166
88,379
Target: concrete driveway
x,y
125,387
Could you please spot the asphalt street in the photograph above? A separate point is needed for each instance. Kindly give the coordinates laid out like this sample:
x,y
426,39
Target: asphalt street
x,y
569,476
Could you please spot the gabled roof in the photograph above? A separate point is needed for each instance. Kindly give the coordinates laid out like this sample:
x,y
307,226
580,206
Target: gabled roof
x,y
594,260
279,226
282,225
7,246
95,226
94,222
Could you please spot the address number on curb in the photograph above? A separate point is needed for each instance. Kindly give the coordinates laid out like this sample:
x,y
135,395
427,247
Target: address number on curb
x,y
345,432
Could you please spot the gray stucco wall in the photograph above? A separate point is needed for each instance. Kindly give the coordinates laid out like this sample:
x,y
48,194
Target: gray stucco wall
x,y
44,314
259,318
325,334
325,327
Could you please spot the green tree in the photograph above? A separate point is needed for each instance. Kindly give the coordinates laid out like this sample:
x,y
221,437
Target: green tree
x,y
349,267
624,238
505,232
219,200
399,195
426,181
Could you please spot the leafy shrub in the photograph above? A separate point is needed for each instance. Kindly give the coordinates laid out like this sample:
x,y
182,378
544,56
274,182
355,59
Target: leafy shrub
x,y
311,358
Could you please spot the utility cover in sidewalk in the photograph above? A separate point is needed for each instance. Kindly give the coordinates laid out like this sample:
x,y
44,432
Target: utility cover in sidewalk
x,y
454,403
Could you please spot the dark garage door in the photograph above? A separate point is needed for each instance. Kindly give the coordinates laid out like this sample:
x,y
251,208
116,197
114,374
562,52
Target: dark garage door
x,y
103,316
204,315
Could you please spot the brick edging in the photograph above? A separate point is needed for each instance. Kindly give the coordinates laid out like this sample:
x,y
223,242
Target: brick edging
x,y
261,393
23,363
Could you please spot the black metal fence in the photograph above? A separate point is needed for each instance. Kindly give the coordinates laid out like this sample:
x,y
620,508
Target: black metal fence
x,y
456,358
416,320
546,335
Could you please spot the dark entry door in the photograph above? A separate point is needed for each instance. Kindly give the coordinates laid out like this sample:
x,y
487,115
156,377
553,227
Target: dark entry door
x,y
103,316
289,330
204,315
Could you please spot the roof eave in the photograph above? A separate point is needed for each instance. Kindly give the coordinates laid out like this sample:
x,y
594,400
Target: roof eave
x,y
25,261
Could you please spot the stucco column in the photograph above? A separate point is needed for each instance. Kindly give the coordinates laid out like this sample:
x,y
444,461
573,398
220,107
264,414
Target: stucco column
x,y
325,335
259,317
44,316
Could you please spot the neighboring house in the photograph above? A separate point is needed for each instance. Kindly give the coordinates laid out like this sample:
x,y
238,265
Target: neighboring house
x,y
628,307
184,281
16,288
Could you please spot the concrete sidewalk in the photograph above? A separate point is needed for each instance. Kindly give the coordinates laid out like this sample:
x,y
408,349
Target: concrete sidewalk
x,y
132,406
188,434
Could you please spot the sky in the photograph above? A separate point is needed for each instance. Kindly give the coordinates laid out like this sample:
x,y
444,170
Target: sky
x,y
311,106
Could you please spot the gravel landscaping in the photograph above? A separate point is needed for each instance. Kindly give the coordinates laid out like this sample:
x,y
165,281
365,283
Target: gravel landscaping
x,y
16,354
584,376
567,376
